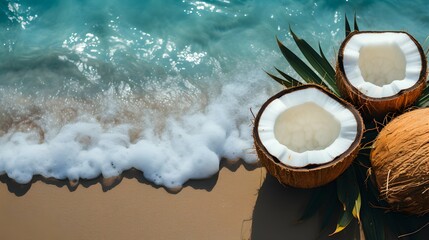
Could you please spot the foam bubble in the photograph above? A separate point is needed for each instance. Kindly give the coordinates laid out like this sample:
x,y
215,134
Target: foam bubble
x,y
98,138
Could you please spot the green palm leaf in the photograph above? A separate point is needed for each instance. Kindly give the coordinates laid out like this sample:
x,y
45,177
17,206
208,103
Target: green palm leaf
x,y
349,195
347,25
306,73
319,198
372,219
424,98
356,27
319,63
285,82
348,31
372,222
294,81
323,55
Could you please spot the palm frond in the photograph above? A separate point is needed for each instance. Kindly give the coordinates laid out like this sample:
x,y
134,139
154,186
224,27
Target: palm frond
x,y
349,194
372,222
347,26
285,82
318,199
319,63
356,27
372,219
294,82
302,69
423,100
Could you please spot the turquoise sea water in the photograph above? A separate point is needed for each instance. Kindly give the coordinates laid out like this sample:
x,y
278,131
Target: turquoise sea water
x,y
164,86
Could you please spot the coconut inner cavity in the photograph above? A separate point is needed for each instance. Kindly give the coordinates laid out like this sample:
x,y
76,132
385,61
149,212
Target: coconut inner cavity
x,y
382,64
306,127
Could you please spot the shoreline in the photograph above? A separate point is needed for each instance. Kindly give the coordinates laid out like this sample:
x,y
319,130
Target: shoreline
x,y
130,208
236,203
108,184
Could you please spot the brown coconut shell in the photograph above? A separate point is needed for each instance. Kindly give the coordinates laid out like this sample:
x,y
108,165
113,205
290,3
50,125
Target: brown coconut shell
x,y
400,162
379,107
310,176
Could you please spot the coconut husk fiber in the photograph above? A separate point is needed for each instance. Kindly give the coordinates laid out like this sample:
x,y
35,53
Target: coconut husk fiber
x,y
400,162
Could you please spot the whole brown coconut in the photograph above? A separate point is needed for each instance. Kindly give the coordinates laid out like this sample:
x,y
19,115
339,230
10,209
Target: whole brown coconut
x,y
400,162
375,59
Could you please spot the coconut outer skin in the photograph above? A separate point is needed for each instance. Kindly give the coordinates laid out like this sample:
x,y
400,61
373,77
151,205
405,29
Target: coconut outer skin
x,y
400,162
310,176
379,107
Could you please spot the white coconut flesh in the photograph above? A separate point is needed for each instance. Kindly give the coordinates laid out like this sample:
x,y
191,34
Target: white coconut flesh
x,y
381,64
306,127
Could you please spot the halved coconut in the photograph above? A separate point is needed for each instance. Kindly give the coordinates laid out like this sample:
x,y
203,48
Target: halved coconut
x,y
306,137
381,72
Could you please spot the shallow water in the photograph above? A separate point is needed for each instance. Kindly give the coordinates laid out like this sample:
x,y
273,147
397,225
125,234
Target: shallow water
x,y
98,87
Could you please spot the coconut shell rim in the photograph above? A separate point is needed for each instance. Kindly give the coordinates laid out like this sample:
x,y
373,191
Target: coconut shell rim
x,y
422,75
315,167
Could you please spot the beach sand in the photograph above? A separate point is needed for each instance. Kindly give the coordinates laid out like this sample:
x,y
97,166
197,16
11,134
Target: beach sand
x,y
240,202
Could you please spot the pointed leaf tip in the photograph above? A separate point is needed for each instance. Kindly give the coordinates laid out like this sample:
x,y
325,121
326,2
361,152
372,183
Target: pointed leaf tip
x,y
293,81
337,230
357,207
319,64
284,82
347,25
356,27
293,34
306,73
345,219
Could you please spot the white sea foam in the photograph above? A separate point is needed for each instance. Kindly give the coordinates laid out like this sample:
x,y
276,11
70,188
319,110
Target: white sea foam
x,y
98,138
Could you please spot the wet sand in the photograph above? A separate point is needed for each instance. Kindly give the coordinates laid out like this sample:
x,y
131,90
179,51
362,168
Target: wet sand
x,y
238,203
